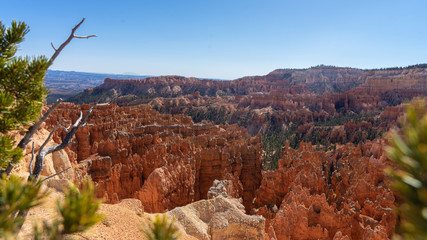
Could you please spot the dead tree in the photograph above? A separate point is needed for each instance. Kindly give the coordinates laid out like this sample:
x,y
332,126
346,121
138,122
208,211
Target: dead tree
x,y
35,127
64,44
43,152
80,122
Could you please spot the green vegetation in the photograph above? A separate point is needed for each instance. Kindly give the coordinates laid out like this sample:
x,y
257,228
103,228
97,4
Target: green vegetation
x,y
15,196
273,140
356,128
409,150
216,115
22,94
77,211
162,228
22,91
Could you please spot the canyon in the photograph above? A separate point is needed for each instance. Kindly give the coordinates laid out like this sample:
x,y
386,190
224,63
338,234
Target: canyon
x,y
165,161
294,154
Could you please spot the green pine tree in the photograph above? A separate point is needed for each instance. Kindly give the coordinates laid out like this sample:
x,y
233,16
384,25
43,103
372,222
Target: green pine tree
x,y
22,95
22,90
409,150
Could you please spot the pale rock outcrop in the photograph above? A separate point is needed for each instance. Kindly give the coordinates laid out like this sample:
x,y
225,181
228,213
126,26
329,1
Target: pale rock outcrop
x,y
222,188
218,218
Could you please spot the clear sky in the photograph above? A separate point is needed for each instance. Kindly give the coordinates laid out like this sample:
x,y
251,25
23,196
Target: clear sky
x,y
223,38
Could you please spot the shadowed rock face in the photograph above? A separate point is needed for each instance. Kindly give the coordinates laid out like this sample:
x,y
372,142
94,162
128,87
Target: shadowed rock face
x,y
319,195
164,160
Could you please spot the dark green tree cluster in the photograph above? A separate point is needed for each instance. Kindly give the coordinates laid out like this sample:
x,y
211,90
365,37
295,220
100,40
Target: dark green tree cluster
x,y
217,115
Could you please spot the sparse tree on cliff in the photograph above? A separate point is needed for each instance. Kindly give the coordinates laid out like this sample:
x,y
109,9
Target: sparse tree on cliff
x,y
22,94
22,91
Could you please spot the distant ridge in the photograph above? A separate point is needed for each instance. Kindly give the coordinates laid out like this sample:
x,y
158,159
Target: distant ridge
x,y
387,83
64,84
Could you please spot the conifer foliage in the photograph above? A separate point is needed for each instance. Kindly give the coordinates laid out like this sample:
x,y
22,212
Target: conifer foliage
x,y
409,150
22,90
162,228
22,95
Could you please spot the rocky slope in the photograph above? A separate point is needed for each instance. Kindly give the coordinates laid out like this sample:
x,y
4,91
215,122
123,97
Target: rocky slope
x,y
217,218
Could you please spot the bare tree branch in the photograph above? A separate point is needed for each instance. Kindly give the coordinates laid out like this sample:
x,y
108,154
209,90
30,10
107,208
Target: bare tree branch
x,y
85,37
66,128
53,175
31,162
67,140
31,131
80,122
58,51
50,135
51,44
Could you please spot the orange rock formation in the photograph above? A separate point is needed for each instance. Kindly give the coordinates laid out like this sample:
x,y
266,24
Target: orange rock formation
x,y
319,195
165,161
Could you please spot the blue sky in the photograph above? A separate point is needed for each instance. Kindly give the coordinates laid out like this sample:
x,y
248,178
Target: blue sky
x,y
223,38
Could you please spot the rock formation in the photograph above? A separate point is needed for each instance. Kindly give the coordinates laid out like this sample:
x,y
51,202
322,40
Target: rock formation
x,y
164,160
391,85
219,218
319,195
